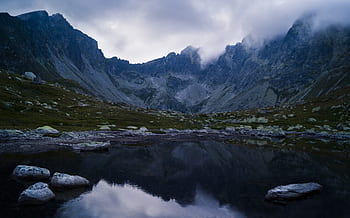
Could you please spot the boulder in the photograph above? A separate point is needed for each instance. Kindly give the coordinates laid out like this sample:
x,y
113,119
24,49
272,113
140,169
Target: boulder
x,y
91,146
30,172
46,130
311,119
30,75
38,193
62,180
143,129
292,191
316,109
105,127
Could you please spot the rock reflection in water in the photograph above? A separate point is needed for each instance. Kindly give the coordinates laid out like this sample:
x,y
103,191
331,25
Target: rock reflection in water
x,y
106,200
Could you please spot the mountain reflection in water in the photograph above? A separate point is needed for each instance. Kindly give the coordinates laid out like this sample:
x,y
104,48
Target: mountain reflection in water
x,y
109,200
236,175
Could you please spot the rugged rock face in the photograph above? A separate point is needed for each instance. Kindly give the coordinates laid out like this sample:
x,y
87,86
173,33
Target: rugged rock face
x,y
302,64
49,47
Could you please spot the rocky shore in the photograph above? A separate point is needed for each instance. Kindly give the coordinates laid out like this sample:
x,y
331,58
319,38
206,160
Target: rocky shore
x,y
47,138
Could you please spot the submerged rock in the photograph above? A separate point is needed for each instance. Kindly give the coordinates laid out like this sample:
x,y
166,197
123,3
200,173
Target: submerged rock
x,y
30,172
292,191
92,146
38,193
62,180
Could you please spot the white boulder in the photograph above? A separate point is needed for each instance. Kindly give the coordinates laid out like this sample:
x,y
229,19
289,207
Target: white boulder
x,y
62,180
30,172
30,75
38,193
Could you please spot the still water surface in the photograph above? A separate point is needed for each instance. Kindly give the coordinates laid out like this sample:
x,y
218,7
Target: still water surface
x,y
183,179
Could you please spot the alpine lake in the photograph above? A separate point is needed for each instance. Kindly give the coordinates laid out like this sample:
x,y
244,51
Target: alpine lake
x,y
191,178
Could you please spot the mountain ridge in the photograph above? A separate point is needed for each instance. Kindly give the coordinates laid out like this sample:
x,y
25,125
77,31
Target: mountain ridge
x,y
291,68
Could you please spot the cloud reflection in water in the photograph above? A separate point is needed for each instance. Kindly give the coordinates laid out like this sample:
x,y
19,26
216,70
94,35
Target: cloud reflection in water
x,y
109,201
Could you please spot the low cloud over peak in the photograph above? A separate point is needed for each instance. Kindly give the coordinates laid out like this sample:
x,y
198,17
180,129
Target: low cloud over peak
x,y
143,30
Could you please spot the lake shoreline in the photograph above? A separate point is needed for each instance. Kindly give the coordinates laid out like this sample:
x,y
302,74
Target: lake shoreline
x,y
36,143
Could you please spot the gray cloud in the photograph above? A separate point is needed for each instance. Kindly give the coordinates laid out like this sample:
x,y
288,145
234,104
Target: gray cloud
x,y
143,30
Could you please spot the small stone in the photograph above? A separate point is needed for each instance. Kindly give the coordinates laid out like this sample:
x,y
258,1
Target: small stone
x,y
62,180
105,127
143,129
312,119
30,172
28,102
316,109
38,193
292,191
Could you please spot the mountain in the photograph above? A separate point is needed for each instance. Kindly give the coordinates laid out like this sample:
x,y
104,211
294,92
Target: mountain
x,y
52,49
303,64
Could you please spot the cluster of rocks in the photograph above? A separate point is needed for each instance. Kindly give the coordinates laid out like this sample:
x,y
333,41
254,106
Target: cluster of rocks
x,y
38,132
40,192
266,131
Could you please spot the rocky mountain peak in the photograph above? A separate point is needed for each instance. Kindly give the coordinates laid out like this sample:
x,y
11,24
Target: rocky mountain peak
x,y
192,53
302,28
287,69
58,18
33,15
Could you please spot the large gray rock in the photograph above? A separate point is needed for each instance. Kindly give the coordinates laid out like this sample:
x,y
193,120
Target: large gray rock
x,y
292,191
38,193
62,180
91,146
30,172
30,76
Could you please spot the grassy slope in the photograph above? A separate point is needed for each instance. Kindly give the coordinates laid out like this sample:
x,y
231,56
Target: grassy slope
x,y
334,111
64,109
59,107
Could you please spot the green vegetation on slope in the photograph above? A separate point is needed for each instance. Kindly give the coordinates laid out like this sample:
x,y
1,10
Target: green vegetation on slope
x,y
27,105
329,113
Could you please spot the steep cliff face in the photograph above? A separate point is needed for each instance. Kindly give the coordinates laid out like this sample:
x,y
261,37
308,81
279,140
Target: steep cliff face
x,y
302,64
50,47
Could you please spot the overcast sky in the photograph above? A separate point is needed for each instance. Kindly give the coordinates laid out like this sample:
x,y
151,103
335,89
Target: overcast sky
x,y
141,30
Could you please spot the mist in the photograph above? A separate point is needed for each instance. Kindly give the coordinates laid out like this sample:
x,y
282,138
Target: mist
x,y
140,31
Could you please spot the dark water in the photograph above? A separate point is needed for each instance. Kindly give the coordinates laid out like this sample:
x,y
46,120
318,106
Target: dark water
x,y
184,179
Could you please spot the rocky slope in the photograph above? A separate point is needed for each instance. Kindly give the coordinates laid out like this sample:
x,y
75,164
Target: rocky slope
x,y
52,49
301,65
